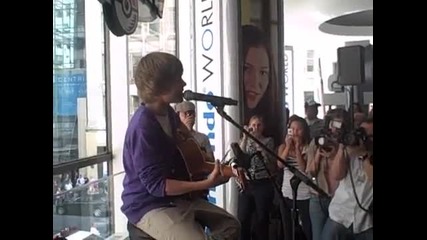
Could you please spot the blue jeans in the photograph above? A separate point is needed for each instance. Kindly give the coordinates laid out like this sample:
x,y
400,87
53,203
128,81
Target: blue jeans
x,y
336,231
318,215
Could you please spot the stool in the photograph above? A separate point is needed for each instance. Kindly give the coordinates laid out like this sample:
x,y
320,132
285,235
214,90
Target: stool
x,y
136,233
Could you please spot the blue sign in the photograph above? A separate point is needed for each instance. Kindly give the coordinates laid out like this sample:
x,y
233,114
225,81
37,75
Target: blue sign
x,y
211,198
67,87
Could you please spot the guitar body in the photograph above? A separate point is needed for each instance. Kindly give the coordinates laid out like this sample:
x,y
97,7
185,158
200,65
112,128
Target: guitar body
x,y
196,161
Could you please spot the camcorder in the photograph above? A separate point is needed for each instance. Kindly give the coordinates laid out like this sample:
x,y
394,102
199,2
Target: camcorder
x,y
327,139
359,137
353,138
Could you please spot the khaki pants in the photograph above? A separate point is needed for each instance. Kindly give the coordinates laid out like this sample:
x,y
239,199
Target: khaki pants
x,y
185,221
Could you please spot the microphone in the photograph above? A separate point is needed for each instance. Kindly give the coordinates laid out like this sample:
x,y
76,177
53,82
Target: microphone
x,y
214,100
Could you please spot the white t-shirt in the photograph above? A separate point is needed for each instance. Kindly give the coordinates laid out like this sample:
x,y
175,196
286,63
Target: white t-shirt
x,y
303,191
203,141
344,208
166,125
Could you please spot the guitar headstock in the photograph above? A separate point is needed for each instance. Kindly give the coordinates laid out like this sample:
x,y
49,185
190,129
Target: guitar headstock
x,y
241,178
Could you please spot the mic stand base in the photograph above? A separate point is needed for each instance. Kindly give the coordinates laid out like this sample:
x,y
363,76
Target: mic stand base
x,y
296,235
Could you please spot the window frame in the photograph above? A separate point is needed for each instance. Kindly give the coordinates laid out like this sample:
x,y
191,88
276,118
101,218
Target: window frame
x,y
107,156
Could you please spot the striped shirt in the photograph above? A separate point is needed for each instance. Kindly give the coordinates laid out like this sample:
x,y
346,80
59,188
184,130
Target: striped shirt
x,y
303,192
257,169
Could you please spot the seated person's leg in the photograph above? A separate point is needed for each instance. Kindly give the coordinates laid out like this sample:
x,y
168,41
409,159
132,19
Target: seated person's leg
x,y
221,224
172,223
137,234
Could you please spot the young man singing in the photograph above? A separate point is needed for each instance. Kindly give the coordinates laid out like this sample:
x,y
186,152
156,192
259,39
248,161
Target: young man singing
x,y
156,183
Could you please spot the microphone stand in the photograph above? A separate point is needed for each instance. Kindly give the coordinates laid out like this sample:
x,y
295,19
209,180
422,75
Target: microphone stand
x,y
295,217
295,180
297,233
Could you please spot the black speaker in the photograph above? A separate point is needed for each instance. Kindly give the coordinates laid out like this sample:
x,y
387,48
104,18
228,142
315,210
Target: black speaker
x,y
369,63
351,65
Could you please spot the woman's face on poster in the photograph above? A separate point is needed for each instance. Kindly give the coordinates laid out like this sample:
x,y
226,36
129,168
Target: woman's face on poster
x,y
256,75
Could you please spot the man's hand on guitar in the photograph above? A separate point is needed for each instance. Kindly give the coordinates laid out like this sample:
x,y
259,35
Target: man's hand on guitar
x,y
216,177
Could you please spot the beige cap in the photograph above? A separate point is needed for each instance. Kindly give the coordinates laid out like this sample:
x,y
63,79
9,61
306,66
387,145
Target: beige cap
x,y
185,106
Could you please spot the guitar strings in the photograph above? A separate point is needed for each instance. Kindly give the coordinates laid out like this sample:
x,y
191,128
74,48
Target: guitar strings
x,y
225,156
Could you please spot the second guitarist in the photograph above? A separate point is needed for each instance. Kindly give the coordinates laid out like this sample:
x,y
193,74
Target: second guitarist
x,y
259,192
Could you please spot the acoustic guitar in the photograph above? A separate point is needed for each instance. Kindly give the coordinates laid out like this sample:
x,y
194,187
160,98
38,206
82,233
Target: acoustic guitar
x,y
197,164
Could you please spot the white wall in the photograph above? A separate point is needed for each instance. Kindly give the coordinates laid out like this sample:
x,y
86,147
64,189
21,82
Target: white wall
x,y
94,71
301,32
185,41
119,119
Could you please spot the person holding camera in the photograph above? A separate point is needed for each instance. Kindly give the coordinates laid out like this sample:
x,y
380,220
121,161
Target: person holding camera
x,y
350,210
293,151
259,192
321,154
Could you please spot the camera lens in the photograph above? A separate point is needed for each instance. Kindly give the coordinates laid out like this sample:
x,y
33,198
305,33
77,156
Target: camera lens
x,y
321,141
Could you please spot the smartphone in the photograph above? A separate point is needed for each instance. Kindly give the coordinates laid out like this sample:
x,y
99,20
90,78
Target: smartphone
x,y
290,132
335,124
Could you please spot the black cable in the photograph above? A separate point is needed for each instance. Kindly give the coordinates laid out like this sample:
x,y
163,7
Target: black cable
x,y
352,183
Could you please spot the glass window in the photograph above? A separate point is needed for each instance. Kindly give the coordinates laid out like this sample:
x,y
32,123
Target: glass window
x,y
158,35
78,86
81,201
81,195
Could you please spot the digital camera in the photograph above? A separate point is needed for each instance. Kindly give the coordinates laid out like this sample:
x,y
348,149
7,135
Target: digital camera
x,y
325,140
354,137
